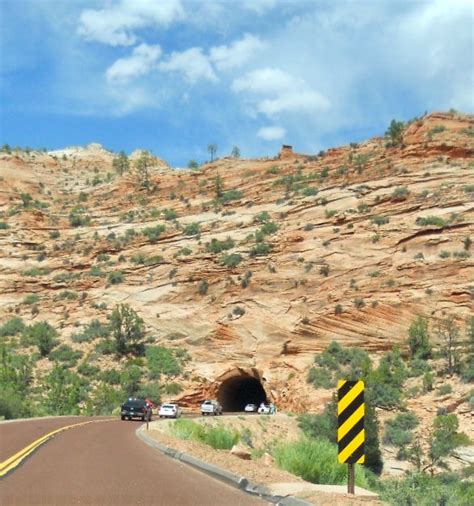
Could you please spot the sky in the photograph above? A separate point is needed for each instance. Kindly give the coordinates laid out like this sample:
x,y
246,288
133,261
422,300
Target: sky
x,y
173,76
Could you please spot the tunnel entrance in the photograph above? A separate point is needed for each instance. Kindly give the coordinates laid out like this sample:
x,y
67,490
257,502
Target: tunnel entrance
x,y
237,391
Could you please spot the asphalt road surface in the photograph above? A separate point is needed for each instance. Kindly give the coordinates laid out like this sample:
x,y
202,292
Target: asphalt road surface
x,y
102,463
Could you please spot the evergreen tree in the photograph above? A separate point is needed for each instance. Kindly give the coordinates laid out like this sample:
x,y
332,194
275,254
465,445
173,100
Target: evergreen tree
x,y
142,166
235,152
419,339
128,330
212,149
395,132
121,163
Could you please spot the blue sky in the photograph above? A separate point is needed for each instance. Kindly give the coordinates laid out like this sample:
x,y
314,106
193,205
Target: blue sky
x,y
173,76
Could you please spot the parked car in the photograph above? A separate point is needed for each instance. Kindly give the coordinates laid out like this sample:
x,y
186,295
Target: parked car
x,y
169,411
250,408
264,409
211,408
136,408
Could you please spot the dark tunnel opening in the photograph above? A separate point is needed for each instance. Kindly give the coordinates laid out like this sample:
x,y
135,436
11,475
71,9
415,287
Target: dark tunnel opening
x,y
235,393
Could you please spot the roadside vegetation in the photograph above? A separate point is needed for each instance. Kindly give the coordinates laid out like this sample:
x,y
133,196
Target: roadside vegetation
x,y
76,384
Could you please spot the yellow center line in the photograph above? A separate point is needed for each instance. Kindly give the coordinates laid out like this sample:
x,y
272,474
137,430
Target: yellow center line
x,y
10,463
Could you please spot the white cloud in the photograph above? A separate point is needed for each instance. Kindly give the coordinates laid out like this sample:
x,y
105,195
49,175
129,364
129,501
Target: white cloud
x,y
258,6
272,91
192,63
271,133
116,24
141,61
294,101
237,53
264,81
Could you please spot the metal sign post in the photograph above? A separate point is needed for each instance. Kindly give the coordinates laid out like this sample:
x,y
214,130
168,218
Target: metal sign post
x,y
350,479
350,427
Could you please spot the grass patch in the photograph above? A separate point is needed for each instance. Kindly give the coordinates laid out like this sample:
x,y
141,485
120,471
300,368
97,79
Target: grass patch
x,y
218,438
315,460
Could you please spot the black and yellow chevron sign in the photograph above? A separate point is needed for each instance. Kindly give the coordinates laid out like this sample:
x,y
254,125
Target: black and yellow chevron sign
x,y
350,418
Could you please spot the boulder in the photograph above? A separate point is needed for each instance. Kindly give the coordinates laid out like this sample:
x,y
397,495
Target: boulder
x,y
241,451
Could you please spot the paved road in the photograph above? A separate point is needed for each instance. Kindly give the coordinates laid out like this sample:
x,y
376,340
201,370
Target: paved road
x,y
102,463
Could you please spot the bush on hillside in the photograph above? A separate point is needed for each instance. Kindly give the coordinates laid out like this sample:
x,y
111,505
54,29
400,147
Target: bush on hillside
x,y
162,360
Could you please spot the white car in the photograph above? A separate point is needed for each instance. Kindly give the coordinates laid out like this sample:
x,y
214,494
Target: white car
x,y
264,409
169,411
211,408
250,408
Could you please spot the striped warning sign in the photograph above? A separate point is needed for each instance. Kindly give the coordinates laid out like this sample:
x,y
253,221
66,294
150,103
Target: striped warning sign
x,y
350,418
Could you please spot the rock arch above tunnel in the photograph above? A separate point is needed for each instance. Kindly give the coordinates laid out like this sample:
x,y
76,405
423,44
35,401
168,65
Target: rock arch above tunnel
x,y
241,389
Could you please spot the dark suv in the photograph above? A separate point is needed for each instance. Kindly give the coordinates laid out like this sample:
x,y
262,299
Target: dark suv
x,y
136,408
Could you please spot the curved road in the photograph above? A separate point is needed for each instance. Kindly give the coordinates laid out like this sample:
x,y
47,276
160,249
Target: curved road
x,y
102,463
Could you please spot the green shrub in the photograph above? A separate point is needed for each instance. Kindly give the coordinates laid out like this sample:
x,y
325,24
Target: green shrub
x,y
88,370
4,225
203,286
31,299
91,331
187,429
309,192
12,327
64,391
421,489
173,388
320,378
435,130
36,271
315,460
111,376
398,430
41,334
169,214
153,233
444,390
400,193
78,218
115,277
430,220
262,217
66,355
230,195
260,249
269,228
380,220
232,260
358,303
139,259
219,438
68,295
105,347
273,170
183,252
192,229
216,246
162,360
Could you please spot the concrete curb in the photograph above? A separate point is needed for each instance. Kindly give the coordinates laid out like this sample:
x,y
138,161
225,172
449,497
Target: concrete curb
x,y
234,480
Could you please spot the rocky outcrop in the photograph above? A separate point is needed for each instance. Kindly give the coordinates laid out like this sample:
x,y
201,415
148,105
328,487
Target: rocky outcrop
x,y
367,237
